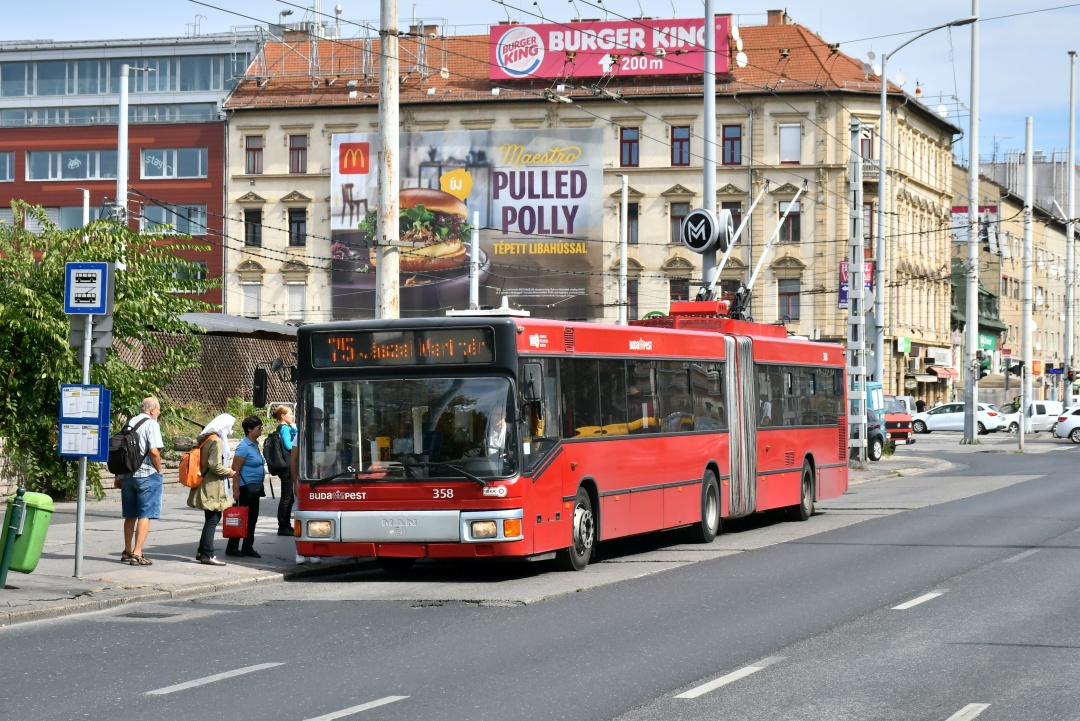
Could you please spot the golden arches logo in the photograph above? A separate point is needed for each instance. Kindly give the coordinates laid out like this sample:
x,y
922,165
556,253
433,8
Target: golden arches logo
x,y
354,158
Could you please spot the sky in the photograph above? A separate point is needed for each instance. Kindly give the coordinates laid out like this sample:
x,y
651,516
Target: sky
x,y
1024,64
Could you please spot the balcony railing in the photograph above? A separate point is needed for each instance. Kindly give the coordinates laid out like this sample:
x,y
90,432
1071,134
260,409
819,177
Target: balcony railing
x,y
869,172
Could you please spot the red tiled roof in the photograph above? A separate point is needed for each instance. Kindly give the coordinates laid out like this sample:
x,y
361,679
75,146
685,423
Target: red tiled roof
x,y
782,58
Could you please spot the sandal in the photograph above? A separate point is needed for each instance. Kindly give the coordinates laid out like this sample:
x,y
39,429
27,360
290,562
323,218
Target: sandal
x,y
136,560
125,557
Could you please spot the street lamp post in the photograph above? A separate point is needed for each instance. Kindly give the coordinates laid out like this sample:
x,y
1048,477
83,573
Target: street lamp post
x,y
879,271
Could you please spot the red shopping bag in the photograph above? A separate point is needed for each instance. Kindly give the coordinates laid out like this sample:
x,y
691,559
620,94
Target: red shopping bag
x,y
234,522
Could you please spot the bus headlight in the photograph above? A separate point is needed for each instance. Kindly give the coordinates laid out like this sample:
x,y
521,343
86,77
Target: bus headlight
x,y
483,529
320,529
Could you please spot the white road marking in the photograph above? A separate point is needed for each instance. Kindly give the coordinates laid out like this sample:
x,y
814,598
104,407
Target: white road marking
x,y
357,709
730,678
1018,556
916,601
969,712
211,679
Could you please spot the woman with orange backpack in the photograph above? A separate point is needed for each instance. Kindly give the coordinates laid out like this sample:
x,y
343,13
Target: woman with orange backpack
x,y
213,495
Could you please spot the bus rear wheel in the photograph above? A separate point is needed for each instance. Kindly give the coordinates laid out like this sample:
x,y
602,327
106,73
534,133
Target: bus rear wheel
x,y
582,535
393,564
705,530
805,509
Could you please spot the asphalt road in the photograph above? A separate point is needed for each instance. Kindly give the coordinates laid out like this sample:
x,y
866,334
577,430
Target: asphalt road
x,y
786,620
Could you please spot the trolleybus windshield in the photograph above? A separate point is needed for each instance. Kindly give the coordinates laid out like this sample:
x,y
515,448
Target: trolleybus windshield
x,y
394,429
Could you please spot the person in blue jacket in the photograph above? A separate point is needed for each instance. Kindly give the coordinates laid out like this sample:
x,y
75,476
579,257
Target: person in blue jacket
x,y
248,488
283,414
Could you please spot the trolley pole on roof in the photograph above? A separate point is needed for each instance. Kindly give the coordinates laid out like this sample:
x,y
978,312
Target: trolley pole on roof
x,y
387,301
856,346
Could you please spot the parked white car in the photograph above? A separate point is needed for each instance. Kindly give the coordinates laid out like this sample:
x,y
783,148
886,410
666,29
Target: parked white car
x,y
1042,414
950,417
1068,424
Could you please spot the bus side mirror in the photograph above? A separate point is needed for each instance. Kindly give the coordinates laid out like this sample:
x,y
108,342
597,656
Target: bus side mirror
x,y
258,391
532,378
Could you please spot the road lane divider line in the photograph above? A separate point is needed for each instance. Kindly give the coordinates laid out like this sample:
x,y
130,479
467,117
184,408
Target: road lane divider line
x,y
357,709
916,601
211,679
729,678
1018,556
969,712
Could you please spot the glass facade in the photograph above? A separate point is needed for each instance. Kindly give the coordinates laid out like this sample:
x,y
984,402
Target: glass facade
x,y
71,165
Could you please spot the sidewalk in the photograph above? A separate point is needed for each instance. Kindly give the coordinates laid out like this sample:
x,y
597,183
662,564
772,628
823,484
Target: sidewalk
x,y
52,591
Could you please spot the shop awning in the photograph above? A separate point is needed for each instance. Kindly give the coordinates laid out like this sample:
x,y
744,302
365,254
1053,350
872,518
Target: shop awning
x,y
943,372
923,378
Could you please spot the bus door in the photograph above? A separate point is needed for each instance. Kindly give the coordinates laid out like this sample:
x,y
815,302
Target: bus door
x,y
542,471
741,484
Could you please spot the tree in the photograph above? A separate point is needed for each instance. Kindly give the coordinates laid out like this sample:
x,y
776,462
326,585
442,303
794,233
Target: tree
x,y
35,356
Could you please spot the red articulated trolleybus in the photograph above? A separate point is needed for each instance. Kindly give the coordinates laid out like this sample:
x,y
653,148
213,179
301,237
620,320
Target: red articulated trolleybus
x,y
495,435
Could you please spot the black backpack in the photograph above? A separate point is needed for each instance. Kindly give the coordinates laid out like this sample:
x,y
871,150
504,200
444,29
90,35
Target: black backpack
x,y
125,451
277,458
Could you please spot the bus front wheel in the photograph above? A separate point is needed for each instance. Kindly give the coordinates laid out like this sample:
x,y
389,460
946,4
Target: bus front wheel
x,y
706,529
582,535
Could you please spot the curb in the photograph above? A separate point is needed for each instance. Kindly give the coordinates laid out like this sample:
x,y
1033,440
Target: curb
x,y
167,593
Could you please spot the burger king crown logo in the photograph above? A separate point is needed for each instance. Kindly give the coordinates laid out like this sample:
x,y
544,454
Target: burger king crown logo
x,y
520,52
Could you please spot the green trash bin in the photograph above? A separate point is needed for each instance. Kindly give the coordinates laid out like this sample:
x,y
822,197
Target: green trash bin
x,y
26,551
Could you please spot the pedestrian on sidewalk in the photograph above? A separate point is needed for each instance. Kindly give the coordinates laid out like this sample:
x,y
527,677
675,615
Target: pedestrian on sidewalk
x,y
140,492
248,489
283,414
214,494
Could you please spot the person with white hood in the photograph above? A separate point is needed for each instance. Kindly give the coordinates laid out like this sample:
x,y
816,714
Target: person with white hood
x,y
214,494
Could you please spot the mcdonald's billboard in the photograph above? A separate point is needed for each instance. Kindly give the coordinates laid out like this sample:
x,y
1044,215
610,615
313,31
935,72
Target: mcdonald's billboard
x,y
536,194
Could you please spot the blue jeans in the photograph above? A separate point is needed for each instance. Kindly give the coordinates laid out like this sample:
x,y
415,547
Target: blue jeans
x,y
141,497
206,541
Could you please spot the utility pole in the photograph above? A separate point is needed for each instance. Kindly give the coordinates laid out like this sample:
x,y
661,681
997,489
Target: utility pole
x,y
623,208
856,346
708,258
122,149
971,313
388,303
1070,252
1026,296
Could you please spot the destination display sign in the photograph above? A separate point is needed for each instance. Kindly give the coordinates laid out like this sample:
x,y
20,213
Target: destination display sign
x,y
372,349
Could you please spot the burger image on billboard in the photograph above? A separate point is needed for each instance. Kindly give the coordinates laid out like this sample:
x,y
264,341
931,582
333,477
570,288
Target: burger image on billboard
x,y
432,232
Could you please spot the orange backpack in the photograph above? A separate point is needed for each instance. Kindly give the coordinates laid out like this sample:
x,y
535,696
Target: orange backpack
x,y
191,466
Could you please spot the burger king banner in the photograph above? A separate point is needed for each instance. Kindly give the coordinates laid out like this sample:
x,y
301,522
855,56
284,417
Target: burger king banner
x,y
593,49
540,220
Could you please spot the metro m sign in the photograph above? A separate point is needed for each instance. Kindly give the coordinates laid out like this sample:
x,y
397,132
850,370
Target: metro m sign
x,y
354,159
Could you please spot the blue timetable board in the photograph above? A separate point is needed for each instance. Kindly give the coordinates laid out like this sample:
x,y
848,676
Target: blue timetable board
x,y
86,288
84,421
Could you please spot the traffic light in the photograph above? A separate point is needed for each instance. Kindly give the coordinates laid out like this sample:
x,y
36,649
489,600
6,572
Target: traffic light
x,y
1018,369
1070,376
981,372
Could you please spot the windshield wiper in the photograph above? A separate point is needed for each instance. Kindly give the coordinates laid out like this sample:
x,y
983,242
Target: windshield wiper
x,y
459,469
373,473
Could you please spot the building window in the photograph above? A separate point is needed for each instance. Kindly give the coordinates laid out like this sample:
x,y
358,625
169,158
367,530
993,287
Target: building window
x,y
788,291
678,289
71,165
631,299
253,156
678,212
791,143
186,219
790,231
7,167
13,79
297,153
252,299
732,145
680,145
729,287
253,228
296,300
735,208
631,223
174,163
297,227
199,272
866,147
628,147
867,221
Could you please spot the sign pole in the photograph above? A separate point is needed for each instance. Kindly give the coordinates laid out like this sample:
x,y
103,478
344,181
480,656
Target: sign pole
x,y
80,497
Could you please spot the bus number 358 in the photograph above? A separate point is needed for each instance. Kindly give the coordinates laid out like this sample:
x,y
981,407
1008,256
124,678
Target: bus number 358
x,y
443,492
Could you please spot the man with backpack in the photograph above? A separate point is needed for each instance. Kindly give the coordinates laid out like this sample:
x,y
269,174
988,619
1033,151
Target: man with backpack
x,y
140,490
